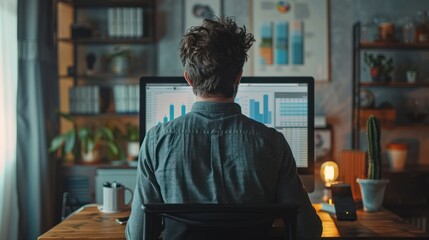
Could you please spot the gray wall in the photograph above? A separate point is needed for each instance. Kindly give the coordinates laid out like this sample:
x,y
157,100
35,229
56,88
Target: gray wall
x,y
333,99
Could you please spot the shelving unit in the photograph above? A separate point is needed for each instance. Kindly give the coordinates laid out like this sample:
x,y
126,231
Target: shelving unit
x,y
358,48
80,179
89,70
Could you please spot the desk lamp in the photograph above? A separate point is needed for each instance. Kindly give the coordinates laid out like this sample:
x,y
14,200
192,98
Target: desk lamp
x,y
329,174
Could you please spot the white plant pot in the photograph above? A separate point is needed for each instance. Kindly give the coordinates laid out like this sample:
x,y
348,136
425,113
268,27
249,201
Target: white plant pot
x,y
411,76
91,156
372,193
133,150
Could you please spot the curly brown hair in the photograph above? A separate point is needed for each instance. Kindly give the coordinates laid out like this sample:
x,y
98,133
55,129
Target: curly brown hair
x,y
213,55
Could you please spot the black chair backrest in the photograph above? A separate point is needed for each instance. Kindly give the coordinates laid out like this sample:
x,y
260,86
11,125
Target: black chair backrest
x,y
220,216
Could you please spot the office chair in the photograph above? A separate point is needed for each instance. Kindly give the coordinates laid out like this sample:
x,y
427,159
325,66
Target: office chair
x,y
222,217
70,203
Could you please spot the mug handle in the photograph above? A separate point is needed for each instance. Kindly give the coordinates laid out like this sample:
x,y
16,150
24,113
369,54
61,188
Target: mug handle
x,y
132,195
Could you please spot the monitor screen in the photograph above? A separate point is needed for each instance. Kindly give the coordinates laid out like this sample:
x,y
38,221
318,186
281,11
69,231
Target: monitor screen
x,y
283,103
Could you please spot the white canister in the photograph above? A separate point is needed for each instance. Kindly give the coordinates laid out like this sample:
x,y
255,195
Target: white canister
x,y
114,198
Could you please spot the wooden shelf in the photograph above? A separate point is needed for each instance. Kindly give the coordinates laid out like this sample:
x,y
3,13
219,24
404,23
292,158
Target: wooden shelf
x,y
394,84
108,40
105,115
394,46
108,3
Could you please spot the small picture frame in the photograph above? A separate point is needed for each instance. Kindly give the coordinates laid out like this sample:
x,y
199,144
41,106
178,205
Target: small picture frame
x,y
323,143
195,11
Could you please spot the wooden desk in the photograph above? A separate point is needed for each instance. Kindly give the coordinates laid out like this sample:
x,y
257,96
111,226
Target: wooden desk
x,y
90,223
377,225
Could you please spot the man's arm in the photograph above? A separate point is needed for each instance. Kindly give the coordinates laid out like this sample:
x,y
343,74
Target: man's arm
x,y
291,191
147,190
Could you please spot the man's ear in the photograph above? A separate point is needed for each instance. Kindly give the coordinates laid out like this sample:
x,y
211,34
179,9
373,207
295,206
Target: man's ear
x,y
238,78
185,74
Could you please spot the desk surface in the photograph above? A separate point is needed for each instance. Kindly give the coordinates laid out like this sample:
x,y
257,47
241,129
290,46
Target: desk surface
x,y
90,223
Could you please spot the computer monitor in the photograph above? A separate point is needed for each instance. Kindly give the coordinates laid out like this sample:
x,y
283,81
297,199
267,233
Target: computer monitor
x,y
284,103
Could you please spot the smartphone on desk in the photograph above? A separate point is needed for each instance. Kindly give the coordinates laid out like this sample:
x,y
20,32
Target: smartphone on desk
x,y
122,220
345,208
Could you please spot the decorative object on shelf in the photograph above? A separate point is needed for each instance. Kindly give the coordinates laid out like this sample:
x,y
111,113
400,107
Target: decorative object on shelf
x,y
373,187
422,28
411,74
90,59
195,11
386,31
80,31
380,67
397,155
119,61
83,142
418,109
367,98
409,30
323,143
133,144
329,173
368,32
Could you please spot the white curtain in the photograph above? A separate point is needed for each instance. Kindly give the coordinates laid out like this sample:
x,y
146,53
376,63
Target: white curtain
x,y
8,119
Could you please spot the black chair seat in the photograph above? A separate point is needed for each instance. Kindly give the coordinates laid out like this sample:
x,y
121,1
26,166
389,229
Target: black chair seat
x,y
219,216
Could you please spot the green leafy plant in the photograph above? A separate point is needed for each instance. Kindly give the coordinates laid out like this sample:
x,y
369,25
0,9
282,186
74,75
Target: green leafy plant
x,y
79,140
132,132
373,132
380,66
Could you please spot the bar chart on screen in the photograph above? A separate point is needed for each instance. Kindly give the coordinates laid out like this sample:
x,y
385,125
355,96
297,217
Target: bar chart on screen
x,y
257,106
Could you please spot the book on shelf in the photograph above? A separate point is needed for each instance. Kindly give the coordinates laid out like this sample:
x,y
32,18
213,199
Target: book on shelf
x,y
125,22
126,99
89,99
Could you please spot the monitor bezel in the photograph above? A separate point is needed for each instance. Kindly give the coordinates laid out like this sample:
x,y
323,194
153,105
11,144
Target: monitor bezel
x,y
309,170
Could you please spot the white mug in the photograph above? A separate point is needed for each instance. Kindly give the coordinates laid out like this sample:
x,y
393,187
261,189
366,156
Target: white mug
x,y
114,199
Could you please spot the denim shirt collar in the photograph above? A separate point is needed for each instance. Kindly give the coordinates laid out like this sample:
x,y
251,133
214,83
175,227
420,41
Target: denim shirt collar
x,y
216,107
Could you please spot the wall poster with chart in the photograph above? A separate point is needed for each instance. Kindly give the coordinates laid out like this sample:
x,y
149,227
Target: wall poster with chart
x,y
292,38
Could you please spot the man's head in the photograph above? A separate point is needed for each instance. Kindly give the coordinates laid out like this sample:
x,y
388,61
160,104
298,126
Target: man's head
x,y
213,55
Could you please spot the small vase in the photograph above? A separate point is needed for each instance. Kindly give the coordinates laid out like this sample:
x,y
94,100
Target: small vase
x,y
411,76
372,193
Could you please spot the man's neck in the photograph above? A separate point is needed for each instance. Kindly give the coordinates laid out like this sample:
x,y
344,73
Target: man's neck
x,y
215,99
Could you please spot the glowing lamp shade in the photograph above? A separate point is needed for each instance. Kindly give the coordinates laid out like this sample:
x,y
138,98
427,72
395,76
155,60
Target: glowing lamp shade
x,y
329,172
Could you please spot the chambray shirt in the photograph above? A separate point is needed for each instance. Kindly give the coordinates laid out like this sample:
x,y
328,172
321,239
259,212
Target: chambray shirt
x,y
215,154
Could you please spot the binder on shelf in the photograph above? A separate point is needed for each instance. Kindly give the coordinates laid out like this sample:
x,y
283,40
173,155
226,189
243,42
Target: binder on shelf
x,y
139,27
133,22
111,18
119,22
89,99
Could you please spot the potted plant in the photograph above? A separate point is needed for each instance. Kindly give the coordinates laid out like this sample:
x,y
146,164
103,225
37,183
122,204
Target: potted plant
x,y
132,139
84,142
411,74
119,60
380,67
373,187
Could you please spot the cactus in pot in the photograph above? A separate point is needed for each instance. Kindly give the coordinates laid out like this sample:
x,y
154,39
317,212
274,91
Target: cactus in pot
x,y
373,132
373,187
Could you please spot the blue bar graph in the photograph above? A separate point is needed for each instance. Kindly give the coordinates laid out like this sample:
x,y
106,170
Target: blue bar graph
x,y
254,109
171,112
183,108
